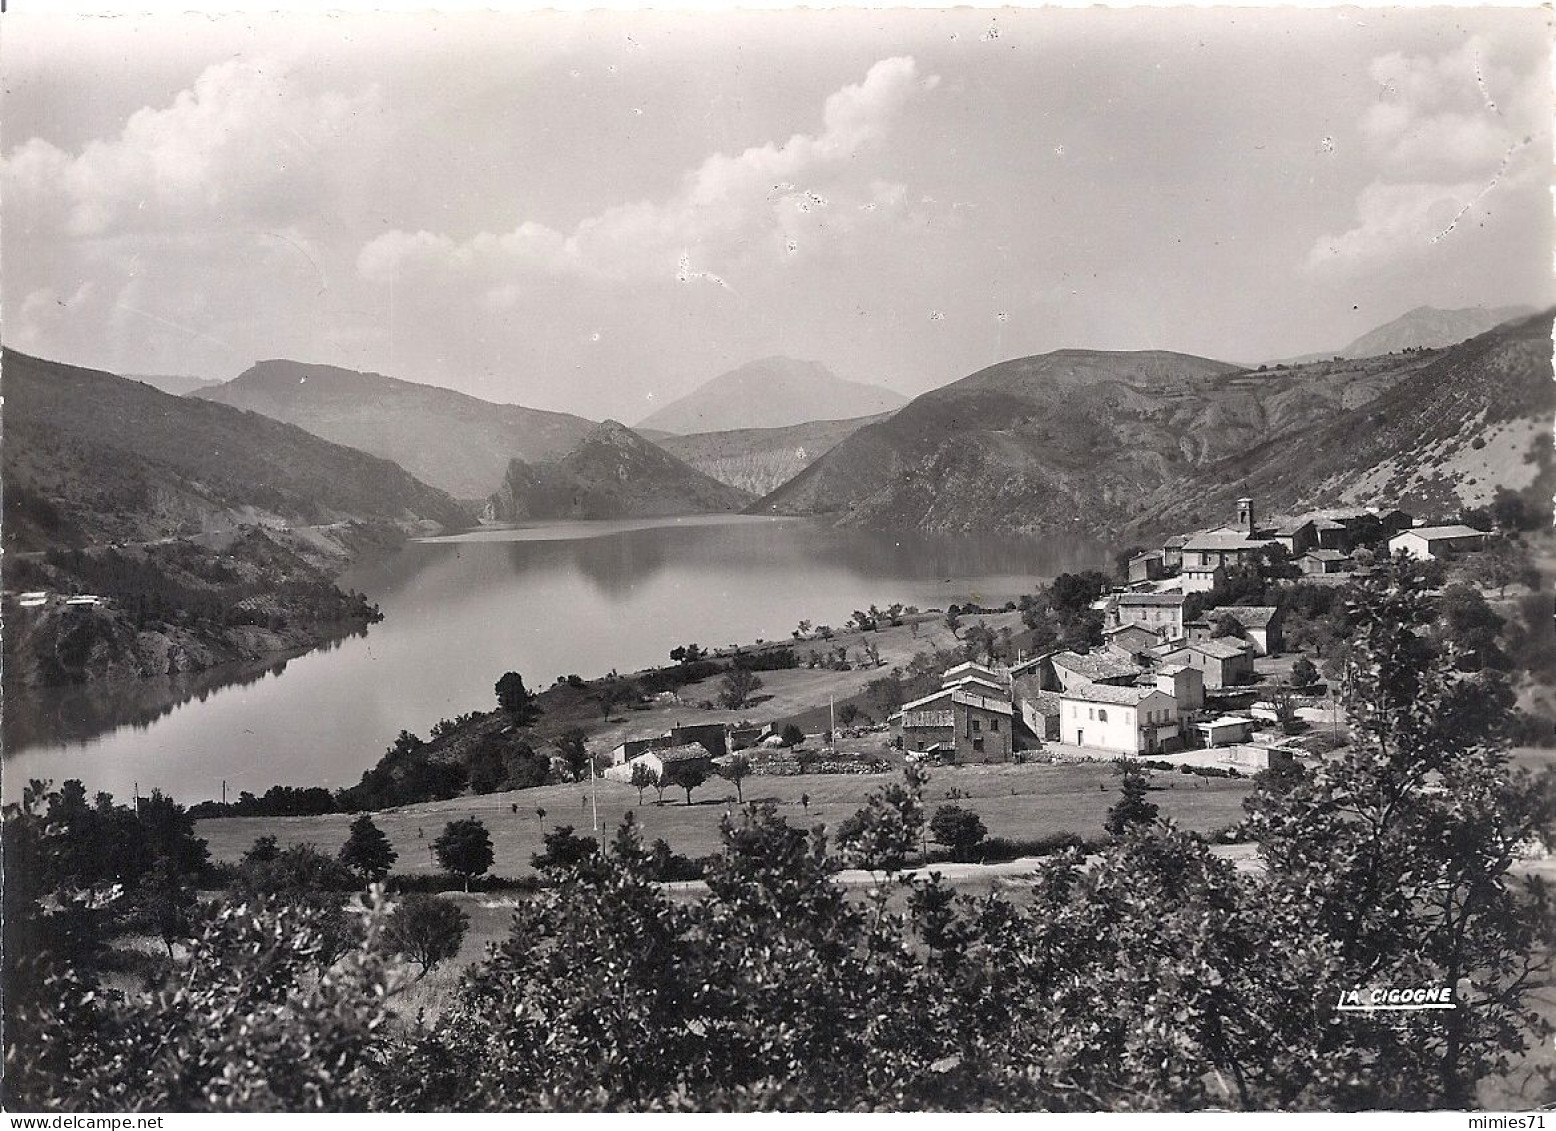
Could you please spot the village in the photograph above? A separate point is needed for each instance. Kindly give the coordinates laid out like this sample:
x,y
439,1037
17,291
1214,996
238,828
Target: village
x,y
1212,690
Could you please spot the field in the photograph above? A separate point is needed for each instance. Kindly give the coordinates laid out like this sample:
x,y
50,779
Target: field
x,y
1014,801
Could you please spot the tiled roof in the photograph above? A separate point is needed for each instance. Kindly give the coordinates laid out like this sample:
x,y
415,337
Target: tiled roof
x,y
1455,531
956,695
691,752
1249,616
1095,665
1150,599
1327,555
1220,649
1223,540
1108,693
1173,669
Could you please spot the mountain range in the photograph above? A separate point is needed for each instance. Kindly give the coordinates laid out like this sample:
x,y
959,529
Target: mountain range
x,y
1446,434
180,385
457,443
1074,439
1425,327
774,392
90,457
611,473
760,460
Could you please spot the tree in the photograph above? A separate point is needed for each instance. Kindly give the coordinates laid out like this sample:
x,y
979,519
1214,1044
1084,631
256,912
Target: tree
x,y
564,849
1226,625
426,930
574,748
464,848
886,830
642,778
1303,673
791,735
615,689
1505,562
960,830
953,619
737,687
1132,808
1390,864
367,851
736,770
1471,629
1072,592
169,902
849,712
515,699
688,775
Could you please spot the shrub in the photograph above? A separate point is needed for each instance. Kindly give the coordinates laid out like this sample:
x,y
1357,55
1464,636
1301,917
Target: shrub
x,y
426,930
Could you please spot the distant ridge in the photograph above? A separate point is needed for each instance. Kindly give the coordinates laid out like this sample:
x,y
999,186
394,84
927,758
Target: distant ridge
x,y
454,442
1425,327
775,392
91,457
760,460
1066,441
177,384
612,473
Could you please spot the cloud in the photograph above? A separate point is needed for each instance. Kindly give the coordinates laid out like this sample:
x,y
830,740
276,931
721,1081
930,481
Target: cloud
x,y
1444,132
243,143
726,204
1391,219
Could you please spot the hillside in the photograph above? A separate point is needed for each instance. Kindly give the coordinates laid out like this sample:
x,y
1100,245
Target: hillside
x,y
612,473
176,383
1072,440
1425,327
1473,418
454,442
90,458
775,392
759,460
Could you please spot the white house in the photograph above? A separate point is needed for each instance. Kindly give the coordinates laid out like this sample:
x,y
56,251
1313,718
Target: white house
x,y
1160,613
1226,730
657,759
1428,542
1128,720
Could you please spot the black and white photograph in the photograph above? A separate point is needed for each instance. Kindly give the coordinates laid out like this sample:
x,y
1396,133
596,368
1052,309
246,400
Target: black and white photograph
x,y
1087,472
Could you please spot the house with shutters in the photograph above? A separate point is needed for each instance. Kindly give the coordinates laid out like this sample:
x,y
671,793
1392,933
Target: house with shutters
x,y
958,724
1158,613
1128,720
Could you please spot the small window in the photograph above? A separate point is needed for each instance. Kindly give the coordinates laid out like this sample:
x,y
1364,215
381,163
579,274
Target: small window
x,y
977,726
994,725
1091,713
978,745
1102,715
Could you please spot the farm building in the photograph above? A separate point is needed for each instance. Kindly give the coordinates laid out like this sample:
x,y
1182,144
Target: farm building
x,y
961,725
656,759
1221,663
1429,542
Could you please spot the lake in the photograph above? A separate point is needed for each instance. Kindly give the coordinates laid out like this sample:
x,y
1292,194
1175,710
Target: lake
x,y
543,600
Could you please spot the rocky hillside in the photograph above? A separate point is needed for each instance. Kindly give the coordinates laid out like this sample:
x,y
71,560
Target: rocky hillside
x,y
1472,418
611,473
90,457
1076,439
455,442
775,392
1426,327
759,460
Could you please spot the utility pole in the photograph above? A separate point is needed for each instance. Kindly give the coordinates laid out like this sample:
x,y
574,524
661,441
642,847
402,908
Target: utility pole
x,y
224,791
832,721
594,794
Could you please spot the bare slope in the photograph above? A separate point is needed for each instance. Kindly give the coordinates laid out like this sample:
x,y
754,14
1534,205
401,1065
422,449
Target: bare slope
x,y
612,473
1472,418
774,392
759,460
1076,439
455,442
90,457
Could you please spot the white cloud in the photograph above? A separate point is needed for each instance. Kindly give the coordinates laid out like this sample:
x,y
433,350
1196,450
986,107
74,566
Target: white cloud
x,y
244,142
1392,219
1444,133
727,203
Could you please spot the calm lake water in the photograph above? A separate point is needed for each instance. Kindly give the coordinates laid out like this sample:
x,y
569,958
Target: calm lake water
x,y
543,600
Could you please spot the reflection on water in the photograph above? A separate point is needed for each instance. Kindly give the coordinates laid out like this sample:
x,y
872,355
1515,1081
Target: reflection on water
x,y
545,601
81,712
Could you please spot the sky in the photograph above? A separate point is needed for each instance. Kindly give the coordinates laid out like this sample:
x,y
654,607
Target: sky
x,y
596,213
